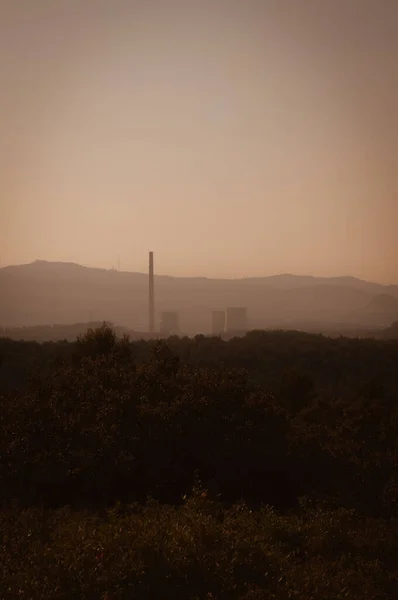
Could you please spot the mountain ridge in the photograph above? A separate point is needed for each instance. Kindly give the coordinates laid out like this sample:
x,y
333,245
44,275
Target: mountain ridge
x,y
289,279
44,293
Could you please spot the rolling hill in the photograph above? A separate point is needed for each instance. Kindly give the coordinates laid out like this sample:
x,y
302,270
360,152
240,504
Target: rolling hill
x,y
42,293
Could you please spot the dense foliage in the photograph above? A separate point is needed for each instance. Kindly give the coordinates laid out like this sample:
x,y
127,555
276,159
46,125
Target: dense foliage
x,y
302,423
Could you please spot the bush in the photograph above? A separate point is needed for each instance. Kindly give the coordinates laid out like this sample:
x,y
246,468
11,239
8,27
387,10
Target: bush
x,y
198,550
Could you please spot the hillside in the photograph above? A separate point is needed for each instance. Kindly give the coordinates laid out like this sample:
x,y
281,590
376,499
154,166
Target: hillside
x,y
381,310
44,293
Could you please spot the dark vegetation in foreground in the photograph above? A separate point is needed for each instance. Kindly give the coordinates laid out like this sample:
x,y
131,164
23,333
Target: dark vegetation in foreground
x,y
148,470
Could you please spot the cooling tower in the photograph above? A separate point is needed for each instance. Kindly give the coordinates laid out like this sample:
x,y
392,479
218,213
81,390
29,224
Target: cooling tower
x,y
170,323
236,320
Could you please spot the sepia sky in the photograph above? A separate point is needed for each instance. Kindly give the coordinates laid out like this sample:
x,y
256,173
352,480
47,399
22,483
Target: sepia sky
x,y
231,137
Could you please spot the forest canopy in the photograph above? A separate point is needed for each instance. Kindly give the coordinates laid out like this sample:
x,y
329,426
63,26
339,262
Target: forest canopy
x,y
261,467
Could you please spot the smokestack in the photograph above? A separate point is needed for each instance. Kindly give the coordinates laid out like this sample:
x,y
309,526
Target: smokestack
x,y
151,296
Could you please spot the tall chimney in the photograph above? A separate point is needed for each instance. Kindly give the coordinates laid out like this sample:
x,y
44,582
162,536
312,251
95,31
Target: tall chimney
x,y
151,296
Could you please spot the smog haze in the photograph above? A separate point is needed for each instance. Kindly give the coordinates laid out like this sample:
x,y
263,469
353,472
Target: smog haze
x,y
234,139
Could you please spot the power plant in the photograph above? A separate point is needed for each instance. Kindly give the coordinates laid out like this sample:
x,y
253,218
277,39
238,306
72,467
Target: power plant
x,y
236,320
232,320
169,323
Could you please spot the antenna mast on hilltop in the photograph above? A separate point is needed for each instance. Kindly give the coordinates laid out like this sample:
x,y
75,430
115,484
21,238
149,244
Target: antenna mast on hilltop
x,y
151,296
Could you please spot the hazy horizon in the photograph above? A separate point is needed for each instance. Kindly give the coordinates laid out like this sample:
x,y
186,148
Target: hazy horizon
x,y
233,139
144,271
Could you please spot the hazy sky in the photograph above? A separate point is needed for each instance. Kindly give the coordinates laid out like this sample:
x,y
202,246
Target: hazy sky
x,y
232,137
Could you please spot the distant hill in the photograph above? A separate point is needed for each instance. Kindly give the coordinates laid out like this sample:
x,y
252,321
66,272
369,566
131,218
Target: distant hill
x,y
381,310
44,293
288,281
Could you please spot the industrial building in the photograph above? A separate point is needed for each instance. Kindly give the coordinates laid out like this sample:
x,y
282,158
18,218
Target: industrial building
x,y
236,320
232,320
169,323
218,322
169,320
